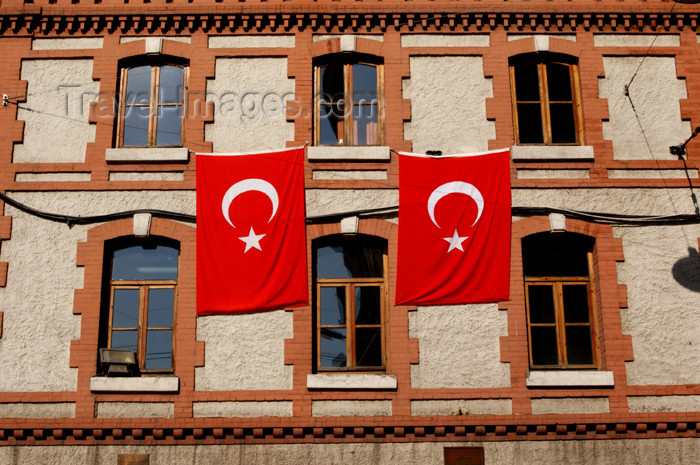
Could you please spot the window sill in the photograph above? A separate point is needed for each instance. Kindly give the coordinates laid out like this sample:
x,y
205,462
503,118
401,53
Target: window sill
x,y
538,379
551,152
126,384
344,153
351,381
147,154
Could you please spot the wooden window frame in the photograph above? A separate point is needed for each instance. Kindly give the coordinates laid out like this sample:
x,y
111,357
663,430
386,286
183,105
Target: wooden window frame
x,y
557,283
347,126
152,104
350,284
142,328
545,102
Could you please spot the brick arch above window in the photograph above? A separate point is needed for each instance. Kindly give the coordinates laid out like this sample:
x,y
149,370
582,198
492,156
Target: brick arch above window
x,y
88,302
614,348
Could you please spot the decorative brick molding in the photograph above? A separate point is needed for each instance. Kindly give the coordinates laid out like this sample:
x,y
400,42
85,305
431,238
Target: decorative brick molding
x,y
614,348
87,303
356,430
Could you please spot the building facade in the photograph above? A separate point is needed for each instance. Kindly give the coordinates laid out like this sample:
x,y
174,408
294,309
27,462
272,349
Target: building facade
x,y
594,359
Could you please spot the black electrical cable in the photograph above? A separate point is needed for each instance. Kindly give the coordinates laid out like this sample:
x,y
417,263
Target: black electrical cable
x,y
592,217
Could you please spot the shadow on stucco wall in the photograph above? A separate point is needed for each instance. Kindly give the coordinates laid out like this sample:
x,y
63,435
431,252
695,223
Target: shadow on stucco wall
x,y
686,271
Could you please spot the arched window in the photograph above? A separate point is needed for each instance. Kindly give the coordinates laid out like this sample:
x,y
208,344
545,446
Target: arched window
x,y
151,103
561,318
546,101
348,100
350,300
139,301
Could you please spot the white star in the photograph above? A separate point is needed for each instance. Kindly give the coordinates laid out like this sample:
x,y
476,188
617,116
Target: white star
x,y
455,241
252,240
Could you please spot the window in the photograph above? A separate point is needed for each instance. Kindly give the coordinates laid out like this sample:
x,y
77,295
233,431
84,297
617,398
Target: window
x,y
140,295
151,107
350,301
349,102
559,295
546,104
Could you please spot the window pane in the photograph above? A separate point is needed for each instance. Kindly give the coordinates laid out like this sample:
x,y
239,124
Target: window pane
x,y
169,121
350,259
160,307
126,308
544,346
367,305
559,82
330,129
124,340
333,347
527,87
576,308
159,350
136,126
365,119
530,123
332,306
545,254
563,123
170,89
368,347
332,82
541,301
579,350
138,84
139,263
364,83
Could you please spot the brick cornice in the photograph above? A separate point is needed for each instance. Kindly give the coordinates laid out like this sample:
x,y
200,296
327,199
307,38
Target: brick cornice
x,y
338,18
343,430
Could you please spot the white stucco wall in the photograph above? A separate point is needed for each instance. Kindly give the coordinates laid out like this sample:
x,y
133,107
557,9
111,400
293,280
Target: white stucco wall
x,y
448,105
459,347
56,128
322,201
244,352
655,92
42,275
247,409
663,316
462,407
648,404
350,408
570,405
666,451
248,96
135,409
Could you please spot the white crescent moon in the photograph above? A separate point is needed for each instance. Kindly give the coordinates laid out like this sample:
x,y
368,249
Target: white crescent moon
x,y
246,185
455,187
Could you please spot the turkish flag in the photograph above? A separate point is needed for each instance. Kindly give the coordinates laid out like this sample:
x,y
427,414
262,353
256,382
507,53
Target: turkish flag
x,y
454,229
251,243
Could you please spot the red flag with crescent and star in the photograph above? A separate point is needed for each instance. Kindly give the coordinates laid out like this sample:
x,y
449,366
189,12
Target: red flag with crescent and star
x,y
454,229
251,242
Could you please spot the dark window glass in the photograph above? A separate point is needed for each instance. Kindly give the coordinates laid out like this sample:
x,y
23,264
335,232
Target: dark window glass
x,y
575,303
578,345
333,347
530,123
160,307
527,85
143,287
126,308
349,301
141,263
560,312
544,345
369,347
367,305
349,259
541,299
547,254
333,306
